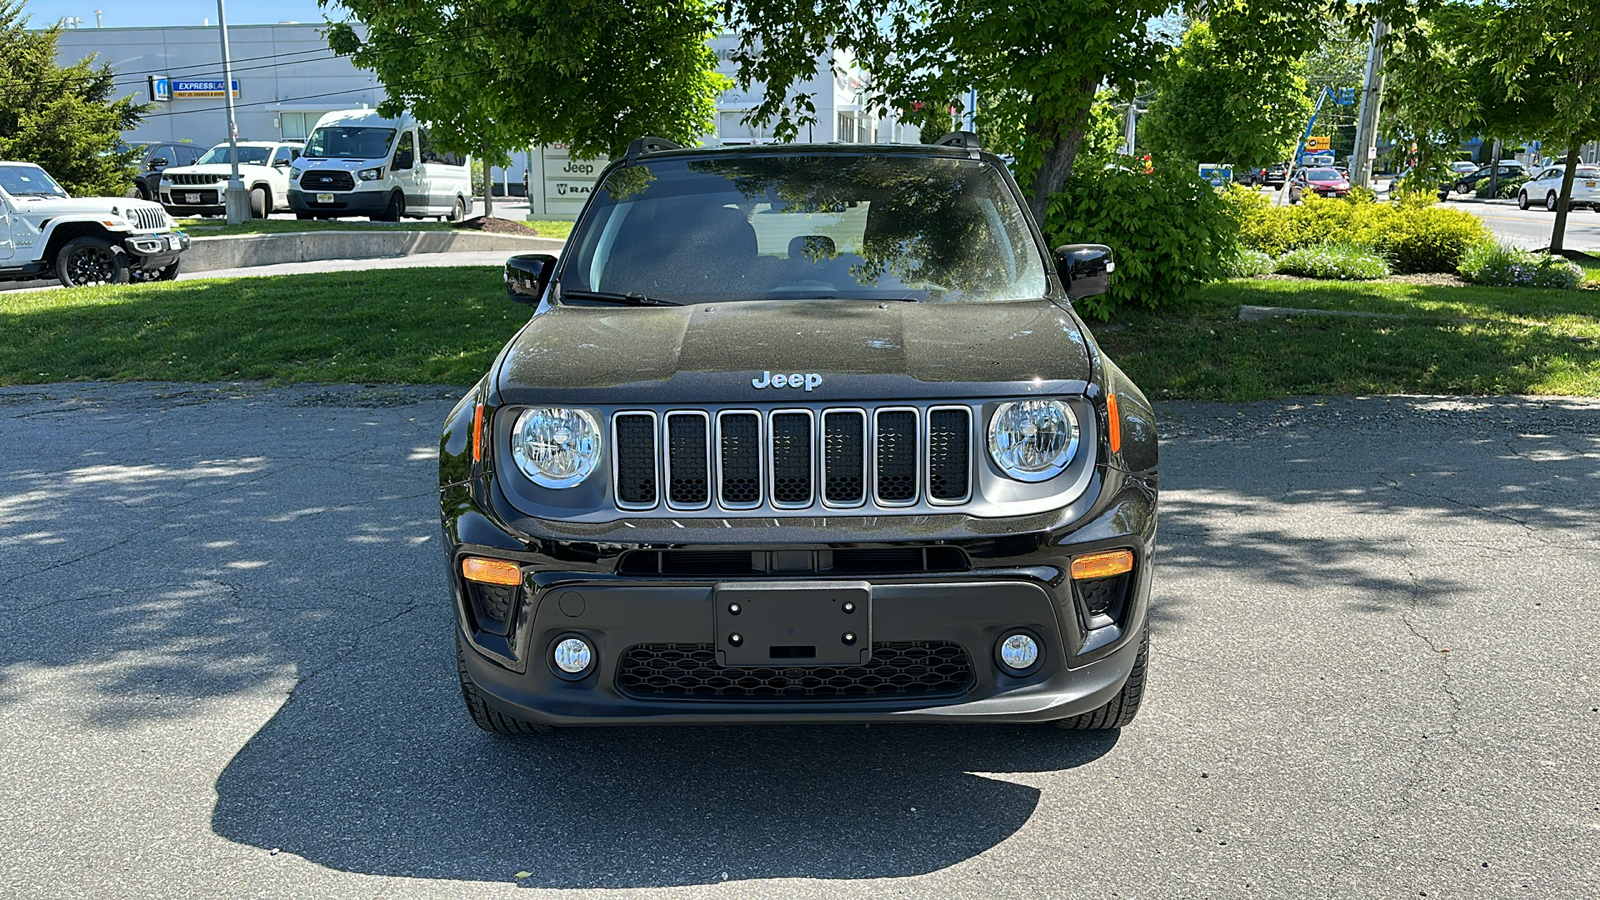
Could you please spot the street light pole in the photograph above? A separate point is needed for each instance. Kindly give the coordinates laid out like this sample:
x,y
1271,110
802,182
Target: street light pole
x,y
237,200
1371,100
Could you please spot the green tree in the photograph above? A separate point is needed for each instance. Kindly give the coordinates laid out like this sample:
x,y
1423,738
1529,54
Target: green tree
x,y
493,76
66,119
1523,68
1246,106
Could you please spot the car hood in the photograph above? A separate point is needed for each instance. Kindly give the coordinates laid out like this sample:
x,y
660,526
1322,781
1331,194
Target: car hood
x,y
854,349
55,207
1338,183
211,169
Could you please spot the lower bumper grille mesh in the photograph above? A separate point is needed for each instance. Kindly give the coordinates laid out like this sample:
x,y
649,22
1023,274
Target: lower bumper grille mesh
x,y
897,669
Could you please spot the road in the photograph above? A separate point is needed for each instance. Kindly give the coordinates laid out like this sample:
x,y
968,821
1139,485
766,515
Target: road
x,y
1531,228
227,672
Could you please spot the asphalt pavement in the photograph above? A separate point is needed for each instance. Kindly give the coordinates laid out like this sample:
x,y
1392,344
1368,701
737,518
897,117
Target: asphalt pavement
x,y
227,672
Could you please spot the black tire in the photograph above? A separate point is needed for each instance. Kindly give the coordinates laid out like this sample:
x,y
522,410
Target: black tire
x,y
458,212
90,260
1125,705
395,209
146,276
260,203
1522,200
1551,201
304,217
482,714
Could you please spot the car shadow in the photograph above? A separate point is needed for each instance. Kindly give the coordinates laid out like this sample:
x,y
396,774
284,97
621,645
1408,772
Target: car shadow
x,y
376,769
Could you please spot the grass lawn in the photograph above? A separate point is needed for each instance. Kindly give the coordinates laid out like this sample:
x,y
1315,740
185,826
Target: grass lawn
x,y
417,326
220,227
444,326
1453,340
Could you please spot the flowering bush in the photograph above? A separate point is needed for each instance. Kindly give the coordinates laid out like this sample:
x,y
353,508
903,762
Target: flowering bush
x,y
1502,265
1343,262
1248,264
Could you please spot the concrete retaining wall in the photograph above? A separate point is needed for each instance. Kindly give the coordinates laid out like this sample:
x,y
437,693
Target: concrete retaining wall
x,y
207,254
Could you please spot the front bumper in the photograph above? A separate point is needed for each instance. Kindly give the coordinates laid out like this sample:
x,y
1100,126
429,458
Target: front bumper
x,y
346,203
155,251
654,635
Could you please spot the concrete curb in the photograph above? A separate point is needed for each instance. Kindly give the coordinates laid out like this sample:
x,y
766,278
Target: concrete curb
x,y
243,251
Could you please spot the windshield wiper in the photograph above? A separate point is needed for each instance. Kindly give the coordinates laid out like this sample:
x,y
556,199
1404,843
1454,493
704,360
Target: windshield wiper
x,y
615,297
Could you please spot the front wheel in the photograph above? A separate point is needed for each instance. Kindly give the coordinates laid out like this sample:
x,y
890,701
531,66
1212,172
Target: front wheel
x,y
482,714
395,209
1125,705
260,203
90,260
304,217
165,273
1551,202
458,212
1522,200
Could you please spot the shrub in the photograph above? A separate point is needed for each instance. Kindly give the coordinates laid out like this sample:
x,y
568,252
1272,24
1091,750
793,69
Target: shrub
x,y
1246,263
1169,231
1502,265
1415,236
1344,262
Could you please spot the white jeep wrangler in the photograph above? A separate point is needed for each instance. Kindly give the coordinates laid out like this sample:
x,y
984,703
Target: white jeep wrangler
x,y
45,233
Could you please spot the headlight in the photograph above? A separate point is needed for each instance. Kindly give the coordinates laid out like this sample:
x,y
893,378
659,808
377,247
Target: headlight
x,y
370,174
1033,440
556,448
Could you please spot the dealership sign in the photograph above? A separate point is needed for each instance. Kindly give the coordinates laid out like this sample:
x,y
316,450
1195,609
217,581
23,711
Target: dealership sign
x,y
190,89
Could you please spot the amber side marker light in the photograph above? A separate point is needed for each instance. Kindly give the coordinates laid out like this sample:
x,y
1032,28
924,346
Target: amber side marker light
x,y
491,571
1114,423
477,434
1102,565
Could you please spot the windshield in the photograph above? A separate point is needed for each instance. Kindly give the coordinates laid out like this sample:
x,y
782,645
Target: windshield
x,y
1323,175
29,181
806,226
248,156
349,142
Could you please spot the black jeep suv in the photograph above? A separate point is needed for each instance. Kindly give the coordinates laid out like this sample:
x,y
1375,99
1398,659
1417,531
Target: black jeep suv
x,y
802,433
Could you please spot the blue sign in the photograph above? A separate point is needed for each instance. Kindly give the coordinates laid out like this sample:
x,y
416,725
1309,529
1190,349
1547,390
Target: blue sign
x,y
189,89
1219,176
160,89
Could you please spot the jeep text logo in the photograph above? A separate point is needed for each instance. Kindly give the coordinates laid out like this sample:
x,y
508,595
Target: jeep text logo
x,y
767,379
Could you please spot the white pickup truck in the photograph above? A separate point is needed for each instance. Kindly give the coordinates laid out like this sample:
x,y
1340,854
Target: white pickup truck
x,y
46,233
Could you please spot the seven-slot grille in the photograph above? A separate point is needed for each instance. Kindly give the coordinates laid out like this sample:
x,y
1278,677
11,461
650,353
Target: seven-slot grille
x,y
740,459
195,178
147,218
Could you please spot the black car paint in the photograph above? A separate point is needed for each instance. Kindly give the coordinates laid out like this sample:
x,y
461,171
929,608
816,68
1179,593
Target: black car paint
x,y
867,351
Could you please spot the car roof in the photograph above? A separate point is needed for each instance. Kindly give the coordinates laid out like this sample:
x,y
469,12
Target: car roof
x,y
829,149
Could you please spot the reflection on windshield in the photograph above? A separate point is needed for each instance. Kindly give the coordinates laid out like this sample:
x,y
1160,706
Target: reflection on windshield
x,y
807,226
248,156
348,142
29,181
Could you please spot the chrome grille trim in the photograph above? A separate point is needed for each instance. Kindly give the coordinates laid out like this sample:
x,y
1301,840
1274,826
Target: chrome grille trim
x,y
927,443
866,445
772,461
666,443
918,466
616,459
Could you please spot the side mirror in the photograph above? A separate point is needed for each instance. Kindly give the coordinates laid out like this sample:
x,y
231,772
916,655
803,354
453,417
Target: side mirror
x,y
159,162
1085,269
527,275
280,163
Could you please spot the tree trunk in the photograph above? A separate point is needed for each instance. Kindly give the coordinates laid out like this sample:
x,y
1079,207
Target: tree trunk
x,y
488,185
1062,137
1558,232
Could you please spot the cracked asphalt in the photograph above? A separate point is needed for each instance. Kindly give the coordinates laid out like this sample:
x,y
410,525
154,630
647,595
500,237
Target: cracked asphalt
x,y
226,672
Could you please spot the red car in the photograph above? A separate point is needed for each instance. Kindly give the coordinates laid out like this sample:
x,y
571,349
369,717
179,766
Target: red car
x,y
1324,180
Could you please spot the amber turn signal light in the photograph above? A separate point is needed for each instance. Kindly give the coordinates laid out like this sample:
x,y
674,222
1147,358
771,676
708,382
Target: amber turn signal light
x,y
477,434
1114,423
1102,565
491,571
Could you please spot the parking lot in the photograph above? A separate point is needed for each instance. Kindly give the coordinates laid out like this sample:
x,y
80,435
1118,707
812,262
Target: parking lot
x,y
228,672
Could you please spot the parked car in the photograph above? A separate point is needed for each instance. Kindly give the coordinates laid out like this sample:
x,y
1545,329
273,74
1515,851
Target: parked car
x,y
1324,181
802,433
200,189
1463,167
46,233
1466,184
155,158
1545,188
1274,176
358,163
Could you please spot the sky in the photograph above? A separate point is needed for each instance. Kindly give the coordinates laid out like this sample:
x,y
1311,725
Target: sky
x,y
130,13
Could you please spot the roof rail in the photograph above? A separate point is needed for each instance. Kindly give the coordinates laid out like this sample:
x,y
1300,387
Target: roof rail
x,y
964,140
647,144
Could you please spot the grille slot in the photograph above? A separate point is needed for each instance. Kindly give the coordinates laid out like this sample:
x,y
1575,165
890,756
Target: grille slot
x,y
688,460
896,480
949,454
844,459
194,178
848,561
739,459
897,669
635,439
791,459
327,180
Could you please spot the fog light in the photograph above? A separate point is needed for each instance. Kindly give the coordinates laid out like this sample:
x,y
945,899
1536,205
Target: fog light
x,y
573,656
1019,652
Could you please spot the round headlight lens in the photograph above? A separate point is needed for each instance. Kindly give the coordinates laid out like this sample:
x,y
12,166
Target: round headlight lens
x,y
1033,440
556,448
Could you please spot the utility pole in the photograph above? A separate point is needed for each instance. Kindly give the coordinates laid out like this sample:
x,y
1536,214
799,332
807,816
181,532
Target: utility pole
x,y
237,200
1366,149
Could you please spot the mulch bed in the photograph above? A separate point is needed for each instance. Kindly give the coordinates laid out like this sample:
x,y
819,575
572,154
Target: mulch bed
x,y
495,225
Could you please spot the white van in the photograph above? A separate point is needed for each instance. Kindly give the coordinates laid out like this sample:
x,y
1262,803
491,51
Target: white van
x,y
358,163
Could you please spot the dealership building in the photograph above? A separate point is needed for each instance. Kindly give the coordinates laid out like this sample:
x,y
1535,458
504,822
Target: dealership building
x,y
285,77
